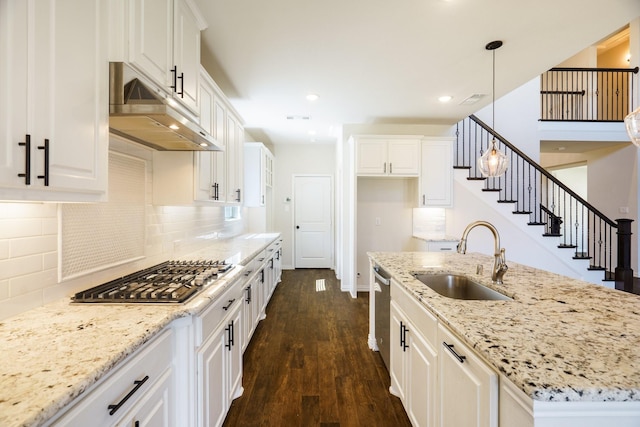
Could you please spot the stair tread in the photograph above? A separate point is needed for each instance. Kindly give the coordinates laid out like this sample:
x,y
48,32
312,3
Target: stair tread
x,y
596,268
582,257
552,235
475,178
567,246
462,167
491,189
521,212
536,223
507,201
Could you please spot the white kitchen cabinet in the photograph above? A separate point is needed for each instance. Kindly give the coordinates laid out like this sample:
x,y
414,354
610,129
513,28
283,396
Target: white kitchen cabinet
x,y
250,308
258,173
141,388
219,357
464,377
154,408
442,246
413,358
388,156
436,173
211,166
164,44
54,105
235,163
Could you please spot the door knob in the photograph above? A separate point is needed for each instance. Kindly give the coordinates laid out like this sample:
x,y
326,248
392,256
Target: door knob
x,y
297,227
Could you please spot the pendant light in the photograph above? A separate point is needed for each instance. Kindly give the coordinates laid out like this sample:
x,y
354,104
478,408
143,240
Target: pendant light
x,y
493,162
632,122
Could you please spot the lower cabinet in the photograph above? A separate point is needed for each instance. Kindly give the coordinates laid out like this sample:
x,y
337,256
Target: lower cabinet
x,y
439,379
413,368
219,357
464,378
138,393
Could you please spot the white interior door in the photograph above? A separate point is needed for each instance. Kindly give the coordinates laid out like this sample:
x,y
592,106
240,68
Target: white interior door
x,y
313,221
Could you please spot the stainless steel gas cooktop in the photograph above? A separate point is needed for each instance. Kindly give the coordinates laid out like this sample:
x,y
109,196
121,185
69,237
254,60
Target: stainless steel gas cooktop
x,y
169,282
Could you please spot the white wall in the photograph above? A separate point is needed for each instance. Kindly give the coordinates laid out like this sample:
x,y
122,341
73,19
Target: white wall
x,y
289,160
385,219
29,246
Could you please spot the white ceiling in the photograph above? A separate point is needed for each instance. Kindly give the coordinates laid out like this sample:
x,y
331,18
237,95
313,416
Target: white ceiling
x,y
382,61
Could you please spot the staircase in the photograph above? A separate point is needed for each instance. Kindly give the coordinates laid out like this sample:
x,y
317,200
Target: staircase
x,y
554,209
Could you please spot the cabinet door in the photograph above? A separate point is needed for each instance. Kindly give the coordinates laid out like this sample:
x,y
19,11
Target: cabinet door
x,y
234,349
421,380
151,39
371,157
234,160
186,55
397,352
13,87
403,156
436,177
58,73
204,189
465,378
154,409
212,380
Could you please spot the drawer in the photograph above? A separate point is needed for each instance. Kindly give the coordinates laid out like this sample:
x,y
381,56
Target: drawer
x,y
149,362
209,320
424,321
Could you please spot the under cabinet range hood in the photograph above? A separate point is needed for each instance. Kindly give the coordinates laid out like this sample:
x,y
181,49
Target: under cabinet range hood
x,y
145,114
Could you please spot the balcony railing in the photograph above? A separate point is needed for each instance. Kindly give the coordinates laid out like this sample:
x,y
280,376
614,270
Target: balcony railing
x,y
588,94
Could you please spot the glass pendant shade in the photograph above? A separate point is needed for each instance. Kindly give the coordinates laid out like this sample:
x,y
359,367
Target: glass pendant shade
x,y
632,122
493,162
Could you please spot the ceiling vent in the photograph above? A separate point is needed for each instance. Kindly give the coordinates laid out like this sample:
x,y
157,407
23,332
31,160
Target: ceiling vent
x,y
473,99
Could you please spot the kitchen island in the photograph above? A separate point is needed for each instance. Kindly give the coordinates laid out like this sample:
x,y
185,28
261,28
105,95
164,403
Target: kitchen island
x,y
559,340
54,354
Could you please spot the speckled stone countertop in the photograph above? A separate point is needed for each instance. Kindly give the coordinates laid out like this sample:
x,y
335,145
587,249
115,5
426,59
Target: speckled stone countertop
x,y
51,354
560,339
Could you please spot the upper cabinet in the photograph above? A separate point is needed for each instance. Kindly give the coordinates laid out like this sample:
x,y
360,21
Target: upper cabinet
x,y
436,176
164,44
388,156
258,173
183,178
54,102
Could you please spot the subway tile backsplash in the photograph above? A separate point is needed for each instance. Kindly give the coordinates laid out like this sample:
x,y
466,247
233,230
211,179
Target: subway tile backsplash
x,y
29,241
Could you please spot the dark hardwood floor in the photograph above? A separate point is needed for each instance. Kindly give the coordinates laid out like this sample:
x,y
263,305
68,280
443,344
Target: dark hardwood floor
x,y
308,363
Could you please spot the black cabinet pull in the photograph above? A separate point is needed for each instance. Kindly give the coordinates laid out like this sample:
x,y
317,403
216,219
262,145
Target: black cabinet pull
x,y
174,71
403,340
456,355
27,159
181,78
271,261
45,147
248,299
137,384
226,307
247,273
216,195
261,276
230,334
238,193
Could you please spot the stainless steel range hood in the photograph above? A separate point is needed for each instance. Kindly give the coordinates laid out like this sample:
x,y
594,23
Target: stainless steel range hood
x,y
145,114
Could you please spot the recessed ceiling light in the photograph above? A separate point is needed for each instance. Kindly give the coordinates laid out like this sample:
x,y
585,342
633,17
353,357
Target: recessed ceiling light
x,y
312,132
445,98
312,97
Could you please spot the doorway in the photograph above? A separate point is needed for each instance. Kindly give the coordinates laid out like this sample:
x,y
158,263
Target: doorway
x,y
313,221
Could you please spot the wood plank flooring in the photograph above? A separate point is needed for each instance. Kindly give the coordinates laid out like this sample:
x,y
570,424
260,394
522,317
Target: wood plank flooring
x,y
308,363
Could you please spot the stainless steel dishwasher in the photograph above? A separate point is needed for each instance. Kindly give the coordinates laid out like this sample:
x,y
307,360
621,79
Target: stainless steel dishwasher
x,y
382,312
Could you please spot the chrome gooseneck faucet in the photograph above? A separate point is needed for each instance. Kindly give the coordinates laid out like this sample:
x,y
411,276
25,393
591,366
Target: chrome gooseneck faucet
x,y
499,261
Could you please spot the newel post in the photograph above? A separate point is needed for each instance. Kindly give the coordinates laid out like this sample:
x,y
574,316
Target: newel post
x,y
624,273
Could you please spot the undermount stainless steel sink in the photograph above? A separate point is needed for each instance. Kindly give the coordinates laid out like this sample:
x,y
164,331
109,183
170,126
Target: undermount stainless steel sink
x,y
460,287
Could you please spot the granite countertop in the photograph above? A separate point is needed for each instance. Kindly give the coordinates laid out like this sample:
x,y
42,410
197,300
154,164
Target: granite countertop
x,y
51,354
560,339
